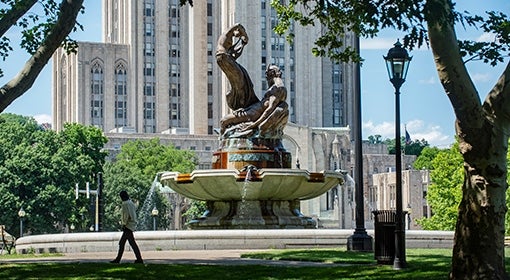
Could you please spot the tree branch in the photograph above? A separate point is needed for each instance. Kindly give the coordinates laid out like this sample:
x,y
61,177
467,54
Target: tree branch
x,y
24,80
497,103
14,14
451,70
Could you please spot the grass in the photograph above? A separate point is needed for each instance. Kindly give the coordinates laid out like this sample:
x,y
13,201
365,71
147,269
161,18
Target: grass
x,y
28,256
422,264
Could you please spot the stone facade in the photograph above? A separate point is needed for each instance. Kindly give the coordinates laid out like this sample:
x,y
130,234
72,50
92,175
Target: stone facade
x,y
414,188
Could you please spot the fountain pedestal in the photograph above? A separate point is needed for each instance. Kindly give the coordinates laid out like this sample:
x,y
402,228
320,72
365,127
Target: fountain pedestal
x,y
250,198
265,214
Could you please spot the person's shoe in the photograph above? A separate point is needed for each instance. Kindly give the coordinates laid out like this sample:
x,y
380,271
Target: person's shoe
x,y
139,261
115,261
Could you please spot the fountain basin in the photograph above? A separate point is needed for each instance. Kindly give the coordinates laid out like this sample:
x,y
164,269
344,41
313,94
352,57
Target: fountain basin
x,y
264,184
252,198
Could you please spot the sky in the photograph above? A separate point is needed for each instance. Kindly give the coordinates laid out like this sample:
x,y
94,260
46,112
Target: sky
x,y
425,111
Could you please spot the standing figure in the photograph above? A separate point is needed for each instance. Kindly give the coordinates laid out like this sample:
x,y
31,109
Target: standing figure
x,y
128,227
230,47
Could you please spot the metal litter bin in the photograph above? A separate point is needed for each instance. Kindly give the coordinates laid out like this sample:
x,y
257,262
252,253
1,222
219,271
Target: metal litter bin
x,y
384,231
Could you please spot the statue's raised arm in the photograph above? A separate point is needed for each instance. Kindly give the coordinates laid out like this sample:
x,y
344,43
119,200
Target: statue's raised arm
x,y
230,47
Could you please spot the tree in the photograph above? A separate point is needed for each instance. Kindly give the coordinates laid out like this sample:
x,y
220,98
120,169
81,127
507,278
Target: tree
x,y
39,169
481,127
408,148
134,170
444,194
424,160
375,139
41,36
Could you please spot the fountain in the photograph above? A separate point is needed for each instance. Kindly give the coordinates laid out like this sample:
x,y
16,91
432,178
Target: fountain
x,y
251,184
144,214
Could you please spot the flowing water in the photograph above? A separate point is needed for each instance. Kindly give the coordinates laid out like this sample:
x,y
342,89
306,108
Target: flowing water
x,y
145,219
243,205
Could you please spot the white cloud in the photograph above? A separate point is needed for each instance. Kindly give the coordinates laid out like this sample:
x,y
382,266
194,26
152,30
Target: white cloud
x,y
382,43
486,37
481,77
43,118
417,129
377,43
429,81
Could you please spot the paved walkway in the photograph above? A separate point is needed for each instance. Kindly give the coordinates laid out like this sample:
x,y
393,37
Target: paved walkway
x,y
202,257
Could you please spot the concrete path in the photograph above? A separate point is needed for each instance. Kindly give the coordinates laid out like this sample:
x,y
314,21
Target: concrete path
x,y
195,257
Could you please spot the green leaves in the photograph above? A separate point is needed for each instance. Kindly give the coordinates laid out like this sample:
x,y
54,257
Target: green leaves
x,y
134,170
445,194
367,18
39,169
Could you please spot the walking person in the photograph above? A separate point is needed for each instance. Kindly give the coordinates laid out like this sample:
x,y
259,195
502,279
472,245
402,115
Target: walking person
x,y
128,227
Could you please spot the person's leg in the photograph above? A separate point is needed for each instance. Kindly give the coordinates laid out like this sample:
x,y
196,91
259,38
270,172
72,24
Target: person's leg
x,y
134,246
122,243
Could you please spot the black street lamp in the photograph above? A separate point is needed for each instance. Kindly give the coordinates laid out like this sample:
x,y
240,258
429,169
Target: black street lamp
x,y
21,215
154,214
397,63
360,240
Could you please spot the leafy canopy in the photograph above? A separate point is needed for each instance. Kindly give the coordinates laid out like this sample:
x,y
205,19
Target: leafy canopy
x,y
39,170
366,18
135,169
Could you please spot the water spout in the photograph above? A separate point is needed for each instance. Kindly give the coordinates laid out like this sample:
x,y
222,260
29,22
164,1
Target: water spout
x,y
249,169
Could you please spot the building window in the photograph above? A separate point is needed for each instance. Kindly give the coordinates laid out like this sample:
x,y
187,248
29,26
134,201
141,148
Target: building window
x,y
149,10
209,9
149,89
174,31
209,89
209,48
120,96
174,11
149,110
97,95
149,69
209,29
174,51
209,69
209,110
174,90
174,70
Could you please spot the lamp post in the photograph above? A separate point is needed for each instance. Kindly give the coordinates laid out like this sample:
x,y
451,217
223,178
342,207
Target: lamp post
x,y
154,214
360,240
397,63
21,215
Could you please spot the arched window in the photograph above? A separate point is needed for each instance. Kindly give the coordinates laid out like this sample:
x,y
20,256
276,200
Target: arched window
x,y
97,95
120,96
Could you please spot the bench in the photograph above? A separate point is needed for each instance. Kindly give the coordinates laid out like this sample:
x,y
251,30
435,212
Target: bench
x,y
8,241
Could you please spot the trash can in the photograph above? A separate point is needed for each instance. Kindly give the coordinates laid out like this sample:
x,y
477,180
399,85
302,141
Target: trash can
x,y
384,231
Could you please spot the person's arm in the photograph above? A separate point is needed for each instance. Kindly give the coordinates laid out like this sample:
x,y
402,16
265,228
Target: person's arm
x,y
226,44
274,96
125,214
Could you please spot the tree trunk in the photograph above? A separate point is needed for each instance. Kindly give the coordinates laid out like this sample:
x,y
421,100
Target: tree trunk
x,y
482,132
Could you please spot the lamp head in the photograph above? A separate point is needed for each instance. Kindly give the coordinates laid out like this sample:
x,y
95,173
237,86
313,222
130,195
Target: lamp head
x,y
397,64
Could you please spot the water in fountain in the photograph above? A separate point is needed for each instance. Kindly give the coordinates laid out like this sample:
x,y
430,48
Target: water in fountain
x,y
243,207
349,180
144,213
244,192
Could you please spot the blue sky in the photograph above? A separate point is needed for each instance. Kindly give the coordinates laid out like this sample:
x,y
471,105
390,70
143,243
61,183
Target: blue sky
x,y
425,110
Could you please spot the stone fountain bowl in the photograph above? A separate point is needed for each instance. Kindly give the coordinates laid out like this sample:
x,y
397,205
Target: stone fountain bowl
x,y
262,184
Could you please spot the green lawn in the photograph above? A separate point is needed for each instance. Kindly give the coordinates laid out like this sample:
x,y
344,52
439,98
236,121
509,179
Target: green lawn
x,y
422,264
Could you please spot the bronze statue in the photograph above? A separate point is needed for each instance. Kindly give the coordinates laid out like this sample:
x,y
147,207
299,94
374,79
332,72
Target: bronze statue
x,y
227,51
251,117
